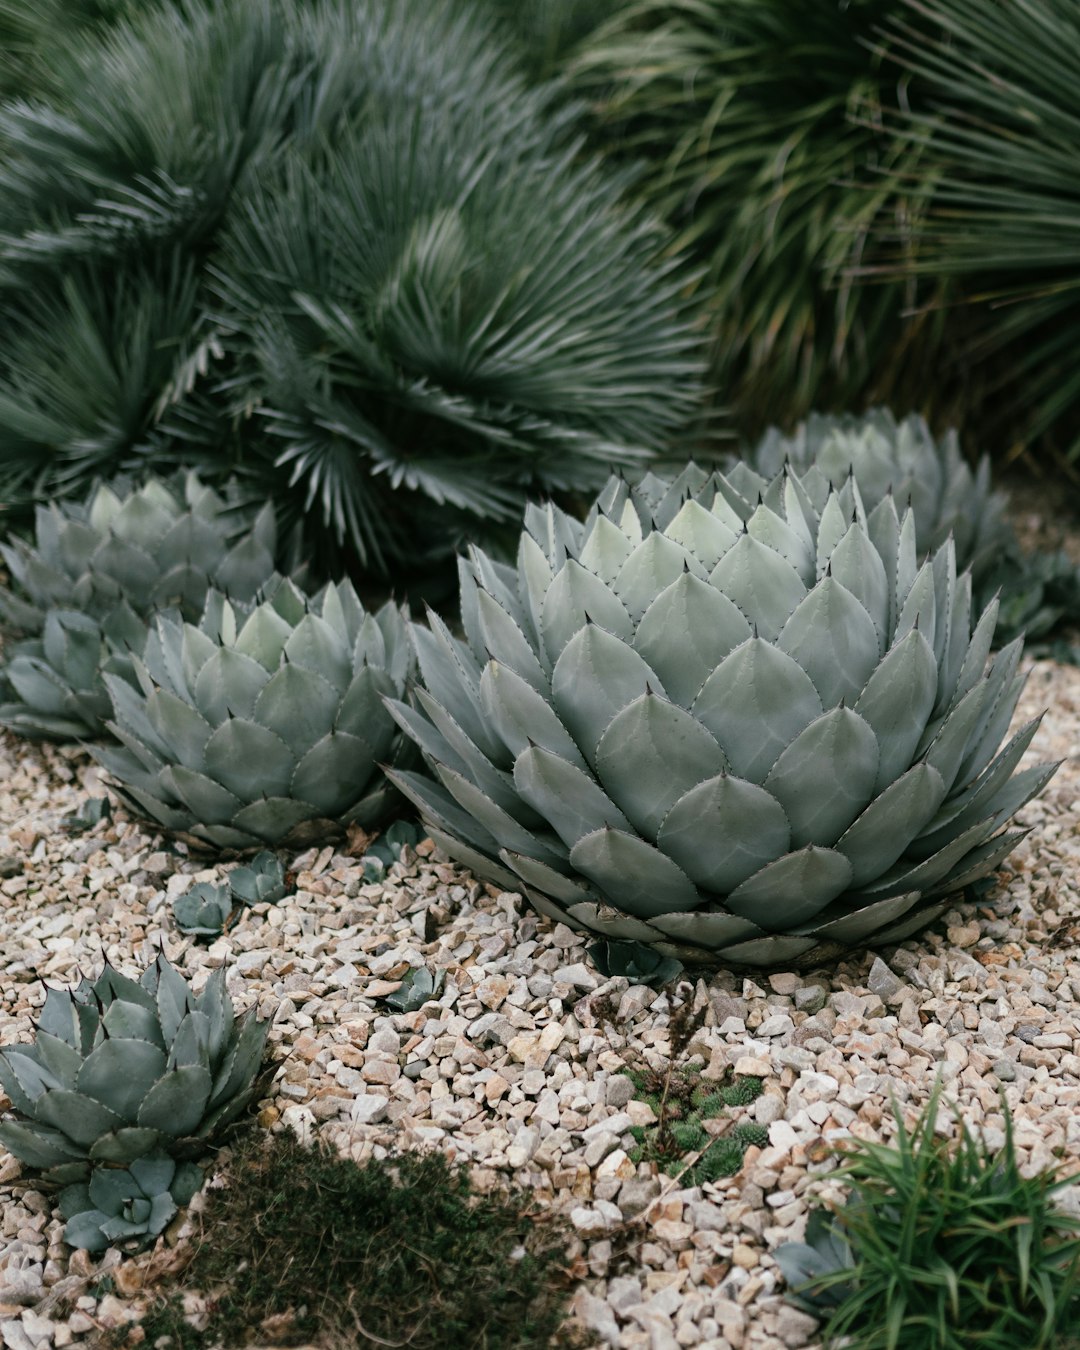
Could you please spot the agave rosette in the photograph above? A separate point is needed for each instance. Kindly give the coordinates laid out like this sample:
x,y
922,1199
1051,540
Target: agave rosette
x,y
83,592
262,724
905,459
746,732
120,1069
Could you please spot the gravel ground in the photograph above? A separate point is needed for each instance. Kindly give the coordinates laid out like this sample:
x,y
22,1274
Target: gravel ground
x,y
516,1072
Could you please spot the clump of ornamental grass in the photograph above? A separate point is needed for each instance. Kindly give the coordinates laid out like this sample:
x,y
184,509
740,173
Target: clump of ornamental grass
x,y
300,1246
942,1245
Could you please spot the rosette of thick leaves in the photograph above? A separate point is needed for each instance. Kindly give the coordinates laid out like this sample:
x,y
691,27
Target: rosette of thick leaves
x,y
746,732
120,1069
902,458
264,726
82,593
127,1207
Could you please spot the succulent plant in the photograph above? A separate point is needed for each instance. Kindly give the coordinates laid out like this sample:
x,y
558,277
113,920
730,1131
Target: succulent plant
x,y
418,987
122,1068
261,882
260,728
127,1207
902,458
636,962
94,811
746,732
387,850
204,909
82,594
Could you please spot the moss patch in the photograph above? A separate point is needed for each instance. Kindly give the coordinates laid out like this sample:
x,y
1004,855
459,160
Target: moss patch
x,y
302,1247
683,1101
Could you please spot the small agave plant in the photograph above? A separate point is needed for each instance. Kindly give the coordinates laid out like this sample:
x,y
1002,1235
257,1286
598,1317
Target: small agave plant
x,y
260,882
901,458
81,596
251,726
121,1069
127,1207
744,732
203,910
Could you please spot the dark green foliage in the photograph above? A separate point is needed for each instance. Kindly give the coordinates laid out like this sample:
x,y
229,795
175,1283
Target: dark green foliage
x,y
942,1245
1000,195
634,961
94,811
338,247
387,850
759,124
29,29
327,1252
682,1102
548,31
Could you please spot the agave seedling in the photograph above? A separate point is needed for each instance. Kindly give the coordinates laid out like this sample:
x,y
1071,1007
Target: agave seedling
x,y
261,882
127,1207
204,910
121,1068
245,729
387,851
752,733
902,458
82,595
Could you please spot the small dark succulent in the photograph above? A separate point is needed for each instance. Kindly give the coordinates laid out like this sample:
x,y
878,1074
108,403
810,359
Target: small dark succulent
x,y
417,988
260,882
204,910
127,1207
387,850
634,961
94,811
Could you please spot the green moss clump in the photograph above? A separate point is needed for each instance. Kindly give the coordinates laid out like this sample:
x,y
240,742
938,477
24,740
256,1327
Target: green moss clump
x,y
301,1246
682,1101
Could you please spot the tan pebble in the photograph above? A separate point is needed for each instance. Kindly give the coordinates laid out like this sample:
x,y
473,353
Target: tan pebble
x,y
677,1235
752,1066
495,1087
744,1256
128,1279
268,1117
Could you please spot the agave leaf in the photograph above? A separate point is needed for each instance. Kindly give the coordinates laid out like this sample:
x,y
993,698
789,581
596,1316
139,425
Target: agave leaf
x,y
494,782
119,1073
724,830
504,641
173,998
132,1021
575,598
228,684
764,586
362,711
766,526
297,705
539,875
82,1118
886,828
981,861
331,776
603,554
596,676
124,1145
480,864
825,776
686,632
755,703
58,1056
439,809
235,1080
920,607
266,821
249,760
180,727
263,637
897,702
909,875
835,641
523,717
38,1146
653,565
207,800
637,878
569,800
57,1016
793,889
776,950
503,828
707,928
651,754
856,564
176,1102
855,925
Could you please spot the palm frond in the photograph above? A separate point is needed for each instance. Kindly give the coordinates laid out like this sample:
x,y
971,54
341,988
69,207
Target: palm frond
x,y
1002,207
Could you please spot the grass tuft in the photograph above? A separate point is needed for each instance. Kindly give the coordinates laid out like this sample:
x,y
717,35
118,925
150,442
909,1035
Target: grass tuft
x,y
942,1245
303,1247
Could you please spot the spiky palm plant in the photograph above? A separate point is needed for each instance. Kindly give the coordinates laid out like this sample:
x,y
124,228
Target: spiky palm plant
x,y
425,360
1001,222
753,118
722,721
